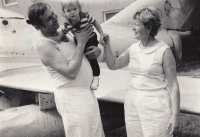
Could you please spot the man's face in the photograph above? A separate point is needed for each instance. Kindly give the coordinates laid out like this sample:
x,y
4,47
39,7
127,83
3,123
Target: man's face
x,y
49,20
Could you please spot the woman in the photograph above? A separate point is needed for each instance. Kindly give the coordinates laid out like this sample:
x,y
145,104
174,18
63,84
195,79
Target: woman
x,y
153,101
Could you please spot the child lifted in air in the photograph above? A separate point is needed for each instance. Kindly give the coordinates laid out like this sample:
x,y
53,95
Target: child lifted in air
x,y
75,21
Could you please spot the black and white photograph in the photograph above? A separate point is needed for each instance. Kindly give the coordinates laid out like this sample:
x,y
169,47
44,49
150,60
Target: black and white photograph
x,y
99,68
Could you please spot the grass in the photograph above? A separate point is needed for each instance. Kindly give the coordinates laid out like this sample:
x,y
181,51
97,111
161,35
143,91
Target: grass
x,y
189,123
189,68
189,127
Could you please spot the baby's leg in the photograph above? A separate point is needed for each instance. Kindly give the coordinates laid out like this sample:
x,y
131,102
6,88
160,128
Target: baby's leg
x,y
91,42
94,63
75,40
95,67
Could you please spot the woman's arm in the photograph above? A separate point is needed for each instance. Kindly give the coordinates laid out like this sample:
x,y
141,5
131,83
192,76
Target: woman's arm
x,y
50,56
112,62
170,71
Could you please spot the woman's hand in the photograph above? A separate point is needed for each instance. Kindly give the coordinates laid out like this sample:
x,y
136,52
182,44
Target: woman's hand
x,y
105,36
104,41
93,52
173,124
84,35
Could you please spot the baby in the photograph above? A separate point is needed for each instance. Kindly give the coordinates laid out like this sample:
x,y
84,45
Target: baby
x,y
75,21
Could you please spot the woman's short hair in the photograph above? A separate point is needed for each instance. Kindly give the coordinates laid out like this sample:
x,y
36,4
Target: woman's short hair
x,y
35,11
68,3
150,18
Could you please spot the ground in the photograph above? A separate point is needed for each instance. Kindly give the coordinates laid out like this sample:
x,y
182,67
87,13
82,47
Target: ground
x,y
189,127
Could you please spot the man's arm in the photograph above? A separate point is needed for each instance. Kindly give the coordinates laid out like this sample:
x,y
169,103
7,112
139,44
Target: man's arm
x,y
50,56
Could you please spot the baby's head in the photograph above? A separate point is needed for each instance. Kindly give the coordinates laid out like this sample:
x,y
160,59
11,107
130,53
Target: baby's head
x,y
69,4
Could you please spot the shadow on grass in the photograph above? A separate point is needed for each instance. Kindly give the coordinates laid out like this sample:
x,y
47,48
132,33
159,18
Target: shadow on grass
x,y
189,127
189,68
190,62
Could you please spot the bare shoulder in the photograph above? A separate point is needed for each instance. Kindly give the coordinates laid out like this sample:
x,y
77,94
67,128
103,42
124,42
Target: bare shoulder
x,y
46,50
168,58
168,54
41,44
46,45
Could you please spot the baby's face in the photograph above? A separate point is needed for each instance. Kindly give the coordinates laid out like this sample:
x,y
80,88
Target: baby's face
x,y
72,12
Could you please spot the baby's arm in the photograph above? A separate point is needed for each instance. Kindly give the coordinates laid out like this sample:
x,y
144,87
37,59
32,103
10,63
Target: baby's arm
x,y
58,38
97,26
100,30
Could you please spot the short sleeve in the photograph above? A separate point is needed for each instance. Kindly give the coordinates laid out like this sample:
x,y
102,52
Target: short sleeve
x,y
91,20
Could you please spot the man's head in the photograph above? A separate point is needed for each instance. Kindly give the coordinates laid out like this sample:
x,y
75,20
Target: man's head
x,y
42,17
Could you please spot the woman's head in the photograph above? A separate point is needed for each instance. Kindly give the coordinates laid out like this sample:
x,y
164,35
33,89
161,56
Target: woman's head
x,y
150,18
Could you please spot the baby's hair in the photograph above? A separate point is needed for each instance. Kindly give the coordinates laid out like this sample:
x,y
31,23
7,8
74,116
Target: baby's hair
x,y
150,18
67,3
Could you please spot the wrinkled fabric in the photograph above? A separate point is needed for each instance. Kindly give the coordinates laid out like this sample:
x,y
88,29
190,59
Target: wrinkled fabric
x,y
147,104
75,101
147,113
146,66
80,113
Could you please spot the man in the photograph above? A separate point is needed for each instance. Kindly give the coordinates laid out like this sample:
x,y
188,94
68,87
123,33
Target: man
x,y
70,71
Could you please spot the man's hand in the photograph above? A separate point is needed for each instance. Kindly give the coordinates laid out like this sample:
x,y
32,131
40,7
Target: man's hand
x,y
84,35
93,52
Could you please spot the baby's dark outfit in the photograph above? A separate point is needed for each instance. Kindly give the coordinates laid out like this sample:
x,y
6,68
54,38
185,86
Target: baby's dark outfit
x,y
85,19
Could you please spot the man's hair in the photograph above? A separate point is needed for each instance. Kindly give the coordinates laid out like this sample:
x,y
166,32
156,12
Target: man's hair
x,y
150,18
35,11
66,3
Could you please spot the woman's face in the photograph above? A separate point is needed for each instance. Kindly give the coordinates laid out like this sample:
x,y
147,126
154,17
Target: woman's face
x,y
140,32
